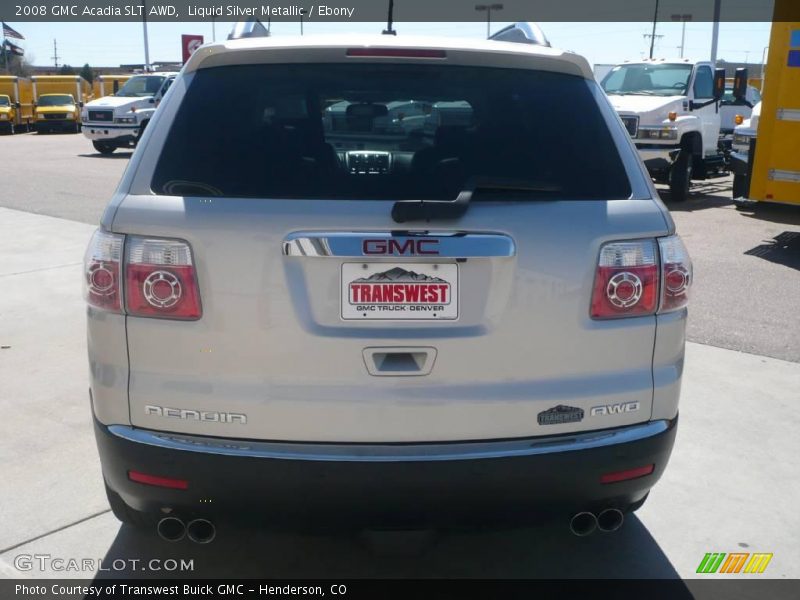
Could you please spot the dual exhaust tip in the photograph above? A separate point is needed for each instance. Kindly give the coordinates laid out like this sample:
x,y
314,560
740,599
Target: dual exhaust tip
x,y
586,523
203,531
173,529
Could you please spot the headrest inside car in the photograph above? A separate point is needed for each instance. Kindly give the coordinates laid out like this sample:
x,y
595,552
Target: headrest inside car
x,y
367,110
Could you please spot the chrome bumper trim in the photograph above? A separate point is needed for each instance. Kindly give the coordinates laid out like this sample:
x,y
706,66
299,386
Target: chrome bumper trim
x,y
387,244
400,452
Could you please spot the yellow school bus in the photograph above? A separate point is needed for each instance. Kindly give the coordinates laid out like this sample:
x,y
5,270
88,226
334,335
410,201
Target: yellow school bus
x,y
16,104
766,157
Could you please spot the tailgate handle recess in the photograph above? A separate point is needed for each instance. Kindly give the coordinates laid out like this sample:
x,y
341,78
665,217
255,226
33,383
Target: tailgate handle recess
x,y
399,361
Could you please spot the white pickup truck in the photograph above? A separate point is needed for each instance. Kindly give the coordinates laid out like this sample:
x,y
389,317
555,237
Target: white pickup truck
x,y
118,121
671,110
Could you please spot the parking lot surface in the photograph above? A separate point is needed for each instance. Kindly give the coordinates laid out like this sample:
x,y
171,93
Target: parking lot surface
x,y
731,485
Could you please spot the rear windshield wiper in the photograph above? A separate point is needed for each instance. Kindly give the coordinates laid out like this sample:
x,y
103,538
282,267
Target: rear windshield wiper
x,y
413,210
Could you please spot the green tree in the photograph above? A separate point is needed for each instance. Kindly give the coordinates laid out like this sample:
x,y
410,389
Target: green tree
x,y
66,70
87,73
17,65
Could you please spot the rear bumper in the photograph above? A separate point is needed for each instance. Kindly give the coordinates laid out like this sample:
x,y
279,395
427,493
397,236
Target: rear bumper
x,y
513,481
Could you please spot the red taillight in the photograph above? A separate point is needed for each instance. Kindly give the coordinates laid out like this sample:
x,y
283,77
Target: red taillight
x,y
628,474
397,52
641,277
101,283
626,281
160,279
676,268
166,482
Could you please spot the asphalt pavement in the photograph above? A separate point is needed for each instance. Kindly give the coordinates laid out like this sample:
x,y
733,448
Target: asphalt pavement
x,y
731,485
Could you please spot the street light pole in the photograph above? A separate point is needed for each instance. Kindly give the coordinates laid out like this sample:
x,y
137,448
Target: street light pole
x,y
488,8
683,19
146,43
715,30
653,35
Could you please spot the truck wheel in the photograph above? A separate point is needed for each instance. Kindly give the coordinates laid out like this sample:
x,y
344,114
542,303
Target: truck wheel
x,y
680,176
739,186
103,147
125,513
141,131
77,128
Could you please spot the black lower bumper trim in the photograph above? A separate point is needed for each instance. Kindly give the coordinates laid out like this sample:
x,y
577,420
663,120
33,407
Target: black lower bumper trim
x,y
518,488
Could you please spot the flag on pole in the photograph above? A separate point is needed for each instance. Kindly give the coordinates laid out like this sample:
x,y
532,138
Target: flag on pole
x,y
9,32
13,48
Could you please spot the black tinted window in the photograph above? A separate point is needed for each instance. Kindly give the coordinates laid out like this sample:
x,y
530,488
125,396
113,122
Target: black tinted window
x,y
704,83
369,131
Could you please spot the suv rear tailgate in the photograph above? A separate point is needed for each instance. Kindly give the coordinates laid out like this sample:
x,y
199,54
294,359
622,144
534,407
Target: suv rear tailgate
x,y
272,344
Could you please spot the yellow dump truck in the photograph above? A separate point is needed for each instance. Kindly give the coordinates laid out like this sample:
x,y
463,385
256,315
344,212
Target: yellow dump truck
x,y
766,147
16,104
106,85
58,100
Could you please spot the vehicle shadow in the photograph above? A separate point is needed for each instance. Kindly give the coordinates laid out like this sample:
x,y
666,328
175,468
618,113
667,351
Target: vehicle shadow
x,y
703,195
547,552
775,213
783,249
116,155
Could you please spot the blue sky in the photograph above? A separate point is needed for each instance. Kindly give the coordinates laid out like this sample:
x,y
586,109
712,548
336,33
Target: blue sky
x,y
112,44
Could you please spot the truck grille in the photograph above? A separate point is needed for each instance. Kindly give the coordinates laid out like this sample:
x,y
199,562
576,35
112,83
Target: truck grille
x,y
101,115
55,115
631,124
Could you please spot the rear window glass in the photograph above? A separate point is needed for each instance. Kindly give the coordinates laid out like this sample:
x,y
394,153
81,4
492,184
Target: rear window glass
x,y
386,132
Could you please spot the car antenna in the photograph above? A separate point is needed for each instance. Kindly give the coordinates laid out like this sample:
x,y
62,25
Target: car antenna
x,y
389,19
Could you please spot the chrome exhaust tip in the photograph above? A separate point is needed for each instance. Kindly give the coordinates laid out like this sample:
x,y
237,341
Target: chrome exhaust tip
x,y
610,519
171,529
583,523
201,531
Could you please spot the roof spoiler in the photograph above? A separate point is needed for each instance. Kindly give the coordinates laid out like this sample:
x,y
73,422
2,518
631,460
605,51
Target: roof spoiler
x,y
522,32
248,29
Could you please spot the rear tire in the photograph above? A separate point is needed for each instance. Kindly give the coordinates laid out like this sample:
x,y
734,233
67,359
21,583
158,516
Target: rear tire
x,y
104,147
739,186
680,176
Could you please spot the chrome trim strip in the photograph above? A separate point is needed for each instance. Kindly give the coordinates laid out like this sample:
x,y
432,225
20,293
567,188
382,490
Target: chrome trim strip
x,y
349,244
783,175
390,452
789,114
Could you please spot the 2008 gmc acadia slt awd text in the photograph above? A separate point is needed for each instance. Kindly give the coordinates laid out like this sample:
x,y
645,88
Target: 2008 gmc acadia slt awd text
x,y
396,285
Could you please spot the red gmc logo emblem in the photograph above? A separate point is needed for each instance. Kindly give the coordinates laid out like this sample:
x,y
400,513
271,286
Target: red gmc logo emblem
x,y
391,246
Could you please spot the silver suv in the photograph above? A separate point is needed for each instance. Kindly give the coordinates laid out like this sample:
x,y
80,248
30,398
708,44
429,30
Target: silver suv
x,y
477,315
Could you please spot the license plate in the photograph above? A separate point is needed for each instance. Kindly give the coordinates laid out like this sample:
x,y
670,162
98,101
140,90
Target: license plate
x,y
390,291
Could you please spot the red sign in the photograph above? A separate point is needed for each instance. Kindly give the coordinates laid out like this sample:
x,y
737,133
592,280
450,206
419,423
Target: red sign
x,y
190,43
400,293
